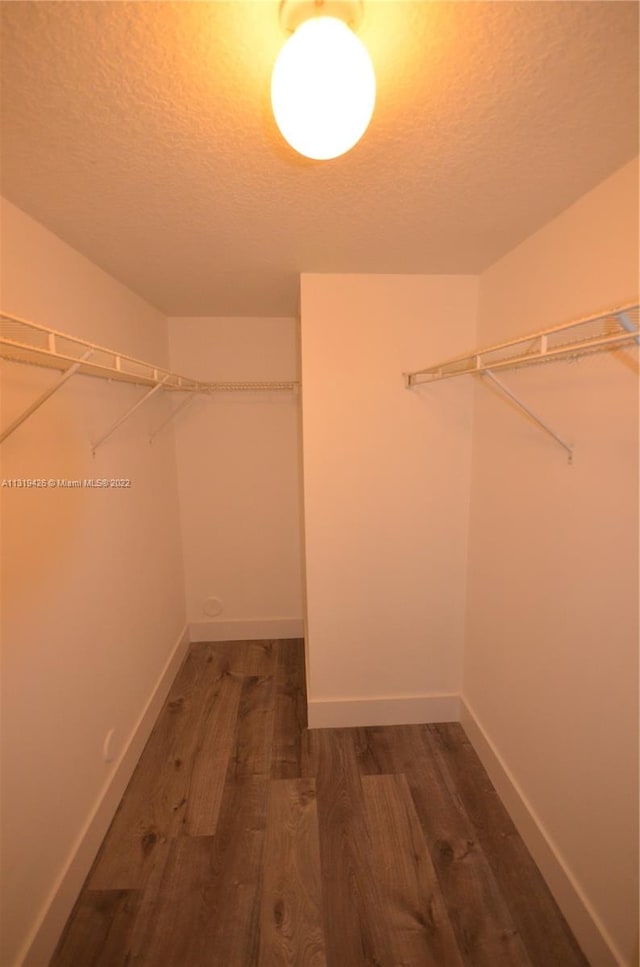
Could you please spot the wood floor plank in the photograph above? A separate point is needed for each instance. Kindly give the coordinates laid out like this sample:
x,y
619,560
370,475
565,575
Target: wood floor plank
x,y
99,930
548,939
415,911
205,908
481,920
247,658
290,710
356,928
152,807
215,739
252,751
291,921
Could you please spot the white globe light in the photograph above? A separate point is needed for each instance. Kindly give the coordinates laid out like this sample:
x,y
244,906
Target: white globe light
x,y
323,89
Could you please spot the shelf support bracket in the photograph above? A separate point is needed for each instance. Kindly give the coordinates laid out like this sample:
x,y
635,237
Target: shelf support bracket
x,y
529,412
59,383
125,416
182,406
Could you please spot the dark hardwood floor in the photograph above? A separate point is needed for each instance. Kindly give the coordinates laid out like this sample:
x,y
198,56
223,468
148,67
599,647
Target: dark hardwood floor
x,y
245,839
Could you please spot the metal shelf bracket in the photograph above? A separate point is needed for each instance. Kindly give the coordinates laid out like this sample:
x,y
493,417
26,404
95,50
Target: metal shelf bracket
x,y
529,412
183,406
125,416
59,383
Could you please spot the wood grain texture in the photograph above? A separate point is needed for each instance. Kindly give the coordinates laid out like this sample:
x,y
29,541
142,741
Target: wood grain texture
x,y
412,902
245,840
480,918
291,922
356,929
204,908
215,736
526,895
252,751
290,711
247,658
99,930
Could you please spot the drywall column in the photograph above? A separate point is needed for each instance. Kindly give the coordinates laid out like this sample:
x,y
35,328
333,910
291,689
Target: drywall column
x,y
92,591
238,465
551,659
386,496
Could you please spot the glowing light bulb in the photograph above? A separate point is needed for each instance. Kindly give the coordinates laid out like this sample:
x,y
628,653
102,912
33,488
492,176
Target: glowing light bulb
x,y
323,89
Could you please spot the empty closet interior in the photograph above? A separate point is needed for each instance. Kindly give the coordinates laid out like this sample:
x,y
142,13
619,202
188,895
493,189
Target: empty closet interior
x,y
386,403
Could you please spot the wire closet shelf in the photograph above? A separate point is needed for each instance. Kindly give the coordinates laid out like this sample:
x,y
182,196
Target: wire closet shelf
x,y
615,329
23,341
28,342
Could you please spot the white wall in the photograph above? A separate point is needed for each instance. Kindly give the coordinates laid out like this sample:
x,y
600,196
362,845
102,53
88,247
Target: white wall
x,y
551,664
92,594
386,495
238,459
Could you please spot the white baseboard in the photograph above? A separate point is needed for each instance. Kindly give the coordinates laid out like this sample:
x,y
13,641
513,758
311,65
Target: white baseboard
x,y
257,629
39,947
589,931
404,710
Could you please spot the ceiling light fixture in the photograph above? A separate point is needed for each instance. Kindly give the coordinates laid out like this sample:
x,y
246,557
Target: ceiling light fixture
x,y
323,87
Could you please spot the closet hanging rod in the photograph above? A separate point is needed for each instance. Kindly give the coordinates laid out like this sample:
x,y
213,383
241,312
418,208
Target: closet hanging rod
x,y
29,342
614,329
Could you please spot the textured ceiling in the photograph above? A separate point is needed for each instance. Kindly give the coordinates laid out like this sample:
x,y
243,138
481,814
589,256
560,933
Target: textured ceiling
x,y
141,133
